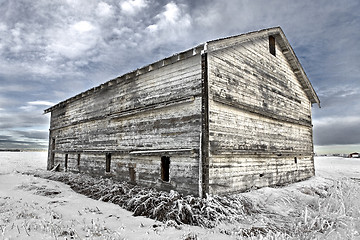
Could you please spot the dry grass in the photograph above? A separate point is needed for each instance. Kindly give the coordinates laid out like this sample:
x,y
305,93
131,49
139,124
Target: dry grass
x,y
326,211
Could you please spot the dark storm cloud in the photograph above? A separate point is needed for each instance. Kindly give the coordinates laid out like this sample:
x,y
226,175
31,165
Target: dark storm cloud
x,y
30,118
52,50
8,142
33,134
338,132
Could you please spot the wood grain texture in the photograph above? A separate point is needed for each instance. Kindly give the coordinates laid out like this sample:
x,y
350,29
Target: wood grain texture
x,y
230,115
153,114
260,119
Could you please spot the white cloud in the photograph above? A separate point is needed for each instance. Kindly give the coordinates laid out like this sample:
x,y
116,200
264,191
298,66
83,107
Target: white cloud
x,y
345,120
344,90
104,10
131,7
73,41
171,13
28,108
82,27
3,26
170,23
153,27
33,105
16,35
41,103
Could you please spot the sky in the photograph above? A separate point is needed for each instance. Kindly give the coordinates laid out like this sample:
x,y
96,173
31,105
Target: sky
x,y
53,50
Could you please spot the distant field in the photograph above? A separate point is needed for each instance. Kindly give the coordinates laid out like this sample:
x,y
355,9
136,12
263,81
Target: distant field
x,y
337,167
22,161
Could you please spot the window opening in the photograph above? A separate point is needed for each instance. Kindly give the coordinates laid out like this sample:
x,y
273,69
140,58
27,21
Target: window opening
x,y
272,47
165,168
295,159
53,144
108,162
66,161
78,159
132,174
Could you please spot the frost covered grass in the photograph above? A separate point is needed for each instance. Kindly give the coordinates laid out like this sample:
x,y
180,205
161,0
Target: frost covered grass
x,y
332,213
168,207
23,220
324,209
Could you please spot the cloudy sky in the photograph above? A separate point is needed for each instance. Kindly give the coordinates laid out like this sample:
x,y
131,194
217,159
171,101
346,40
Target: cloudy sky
x,y
52,50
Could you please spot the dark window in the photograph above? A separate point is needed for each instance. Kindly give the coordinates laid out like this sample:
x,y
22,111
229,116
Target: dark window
x,y
132,174
295,159
53,144
108,162
78,159
272,47
66,161
165,168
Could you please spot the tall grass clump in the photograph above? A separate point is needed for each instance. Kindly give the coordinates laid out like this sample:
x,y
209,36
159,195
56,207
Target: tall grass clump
x,y
328,210
335,216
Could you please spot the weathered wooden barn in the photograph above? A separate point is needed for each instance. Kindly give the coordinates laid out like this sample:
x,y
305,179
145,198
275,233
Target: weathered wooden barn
x,y
226,116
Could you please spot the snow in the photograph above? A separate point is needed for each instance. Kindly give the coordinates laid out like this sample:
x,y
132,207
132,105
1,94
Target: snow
x,y
337,167
22,161
36,208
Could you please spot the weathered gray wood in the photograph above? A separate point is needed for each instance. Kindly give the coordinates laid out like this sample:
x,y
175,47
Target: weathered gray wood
x,y
154,114
229,114
260,119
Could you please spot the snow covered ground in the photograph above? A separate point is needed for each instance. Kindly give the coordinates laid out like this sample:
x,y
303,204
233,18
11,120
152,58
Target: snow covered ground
x,y
337,167
36,208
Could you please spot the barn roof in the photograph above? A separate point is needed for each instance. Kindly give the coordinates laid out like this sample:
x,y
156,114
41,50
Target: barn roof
x,y
210,46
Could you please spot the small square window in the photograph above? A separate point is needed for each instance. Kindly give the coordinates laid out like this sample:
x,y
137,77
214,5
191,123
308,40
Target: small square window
x,y
132,174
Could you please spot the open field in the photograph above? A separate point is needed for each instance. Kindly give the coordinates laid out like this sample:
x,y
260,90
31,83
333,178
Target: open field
x,y
324,207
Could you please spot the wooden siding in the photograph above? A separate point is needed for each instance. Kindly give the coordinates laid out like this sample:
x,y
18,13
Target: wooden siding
x,y
237,173
259,115
137,120
232,118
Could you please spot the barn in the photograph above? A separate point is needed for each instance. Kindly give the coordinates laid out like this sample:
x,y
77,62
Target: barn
x,y
225,116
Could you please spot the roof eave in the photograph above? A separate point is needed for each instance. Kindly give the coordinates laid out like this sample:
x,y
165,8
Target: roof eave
x,y
297,68
150,67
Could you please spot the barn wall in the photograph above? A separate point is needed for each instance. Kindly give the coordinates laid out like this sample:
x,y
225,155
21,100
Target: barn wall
x,y
138,120
260,119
